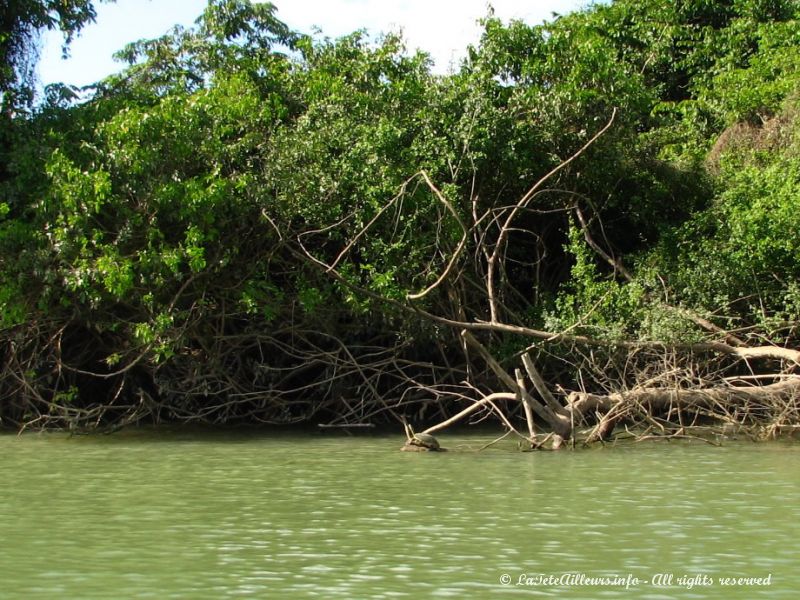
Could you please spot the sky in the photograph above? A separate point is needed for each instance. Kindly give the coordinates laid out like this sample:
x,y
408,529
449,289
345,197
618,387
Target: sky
x,y
443,28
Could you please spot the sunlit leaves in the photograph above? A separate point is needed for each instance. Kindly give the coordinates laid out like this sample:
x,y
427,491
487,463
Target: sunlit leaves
x,y
197,196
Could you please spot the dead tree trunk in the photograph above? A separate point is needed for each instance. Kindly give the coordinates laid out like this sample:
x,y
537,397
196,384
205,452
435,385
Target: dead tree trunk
x,y
553,413
719,400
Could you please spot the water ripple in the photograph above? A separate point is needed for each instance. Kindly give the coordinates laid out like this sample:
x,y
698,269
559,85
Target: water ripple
x,y
218,516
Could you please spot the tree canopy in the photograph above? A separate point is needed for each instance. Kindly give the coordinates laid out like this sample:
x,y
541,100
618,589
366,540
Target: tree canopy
x,y
21,23
251,223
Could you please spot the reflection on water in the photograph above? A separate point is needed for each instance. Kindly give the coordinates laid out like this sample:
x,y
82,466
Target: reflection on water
x,y
209,515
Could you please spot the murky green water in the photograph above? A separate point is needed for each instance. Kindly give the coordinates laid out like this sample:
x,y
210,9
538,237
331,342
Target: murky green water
x,y
228,515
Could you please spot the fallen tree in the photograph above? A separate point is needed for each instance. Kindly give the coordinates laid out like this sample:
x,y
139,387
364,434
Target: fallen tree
x,y
771,407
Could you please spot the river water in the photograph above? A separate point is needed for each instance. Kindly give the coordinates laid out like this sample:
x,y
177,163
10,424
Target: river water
x,y
194,514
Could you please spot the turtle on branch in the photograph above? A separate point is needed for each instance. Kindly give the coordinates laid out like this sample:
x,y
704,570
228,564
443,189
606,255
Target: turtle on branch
x,y
420,442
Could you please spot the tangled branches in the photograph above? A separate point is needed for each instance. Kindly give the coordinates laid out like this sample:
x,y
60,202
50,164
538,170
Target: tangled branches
x,y
641,384
321,327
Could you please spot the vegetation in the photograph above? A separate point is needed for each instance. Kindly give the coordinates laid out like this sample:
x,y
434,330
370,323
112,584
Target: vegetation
x,y
21,22
249,224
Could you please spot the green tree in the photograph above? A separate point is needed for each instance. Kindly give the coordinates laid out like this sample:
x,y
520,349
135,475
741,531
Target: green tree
x,y
21,23
226,224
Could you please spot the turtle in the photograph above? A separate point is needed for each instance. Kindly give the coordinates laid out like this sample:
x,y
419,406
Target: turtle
x,y
420,442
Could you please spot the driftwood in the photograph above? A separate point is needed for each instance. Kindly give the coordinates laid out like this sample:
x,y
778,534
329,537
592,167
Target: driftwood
x,y
780,401
657,399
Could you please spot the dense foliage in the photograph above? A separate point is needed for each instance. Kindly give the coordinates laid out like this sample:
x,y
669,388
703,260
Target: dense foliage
x,y
230,228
